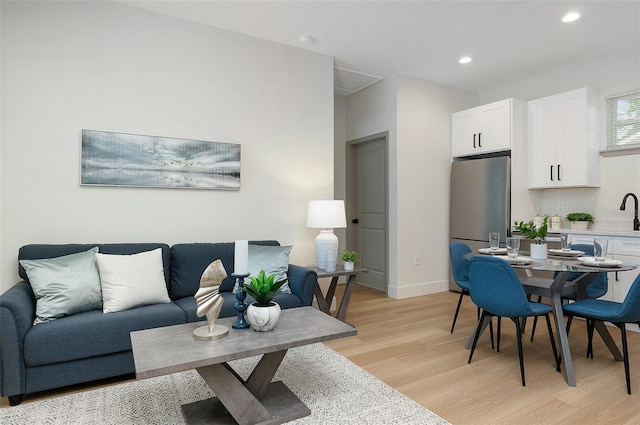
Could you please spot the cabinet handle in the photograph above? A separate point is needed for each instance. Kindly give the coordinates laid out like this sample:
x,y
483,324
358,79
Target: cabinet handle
x,y
559,173
617,280
479,140
551,169
474,140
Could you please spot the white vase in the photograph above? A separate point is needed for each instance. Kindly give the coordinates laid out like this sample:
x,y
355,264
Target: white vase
x,y
263,319
348,266
538,251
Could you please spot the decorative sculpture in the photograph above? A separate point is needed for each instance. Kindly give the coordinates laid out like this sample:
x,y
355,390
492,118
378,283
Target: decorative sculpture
x,y
209,302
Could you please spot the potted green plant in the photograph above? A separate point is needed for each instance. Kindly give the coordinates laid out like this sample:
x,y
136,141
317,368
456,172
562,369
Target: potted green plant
x,y
538,249
579,220
263,314
349,258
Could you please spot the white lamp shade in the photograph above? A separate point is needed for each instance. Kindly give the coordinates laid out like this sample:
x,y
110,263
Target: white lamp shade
x,y
326,214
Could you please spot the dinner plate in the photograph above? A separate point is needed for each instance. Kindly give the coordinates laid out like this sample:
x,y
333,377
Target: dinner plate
x,y
561,253
499,251
519,260
590,261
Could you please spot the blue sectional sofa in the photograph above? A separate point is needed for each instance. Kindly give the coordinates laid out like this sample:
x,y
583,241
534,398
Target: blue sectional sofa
x,y
92,345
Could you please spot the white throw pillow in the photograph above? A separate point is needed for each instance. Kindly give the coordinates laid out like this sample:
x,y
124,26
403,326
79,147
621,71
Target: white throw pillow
x,y
130,281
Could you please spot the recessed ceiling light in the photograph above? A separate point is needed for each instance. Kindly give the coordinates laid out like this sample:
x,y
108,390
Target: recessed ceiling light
x,y
465,59
570,17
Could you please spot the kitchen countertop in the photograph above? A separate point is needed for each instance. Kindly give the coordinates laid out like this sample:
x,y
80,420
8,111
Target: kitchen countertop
x,y
606,232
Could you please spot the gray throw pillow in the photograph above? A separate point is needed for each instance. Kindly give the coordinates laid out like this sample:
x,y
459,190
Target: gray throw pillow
x,y
64,285
271,259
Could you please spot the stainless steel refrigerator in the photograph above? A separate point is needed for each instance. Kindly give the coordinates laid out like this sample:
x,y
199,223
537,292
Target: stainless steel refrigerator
x,y
480,202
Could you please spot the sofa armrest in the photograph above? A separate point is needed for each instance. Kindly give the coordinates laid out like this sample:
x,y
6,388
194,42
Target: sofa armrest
x,y
302,282
17,313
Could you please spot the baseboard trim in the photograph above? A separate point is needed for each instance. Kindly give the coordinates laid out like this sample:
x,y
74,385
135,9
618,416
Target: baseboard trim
x,y
418,289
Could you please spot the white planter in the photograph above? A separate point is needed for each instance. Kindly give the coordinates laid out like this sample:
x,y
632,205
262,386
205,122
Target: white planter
x,y
538,251
348,266
263,319
579,225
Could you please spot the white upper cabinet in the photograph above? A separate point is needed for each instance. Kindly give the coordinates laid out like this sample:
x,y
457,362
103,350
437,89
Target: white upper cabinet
x,y
562,139
484,129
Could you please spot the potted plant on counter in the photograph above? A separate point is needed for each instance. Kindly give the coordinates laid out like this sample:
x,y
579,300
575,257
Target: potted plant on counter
x,y
579,220
349,258
263,314
538,249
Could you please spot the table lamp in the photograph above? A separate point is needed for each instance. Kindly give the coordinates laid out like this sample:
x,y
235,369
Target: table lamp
x,y
326,215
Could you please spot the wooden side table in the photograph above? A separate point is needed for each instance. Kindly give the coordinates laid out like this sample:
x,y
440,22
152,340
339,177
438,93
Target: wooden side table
x,y
324,301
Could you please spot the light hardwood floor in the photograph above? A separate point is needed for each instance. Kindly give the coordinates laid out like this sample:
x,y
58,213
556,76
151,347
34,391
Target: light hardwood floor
x,y
407,344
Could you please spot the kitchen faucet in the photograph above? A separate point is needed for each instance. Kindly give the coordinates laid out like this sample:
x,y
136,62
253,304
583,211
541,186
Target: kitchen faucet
x,y
636,222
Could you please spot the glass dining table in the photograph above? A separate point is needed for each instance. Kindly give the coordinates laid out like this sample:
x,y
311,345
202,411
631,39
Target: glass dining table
x,y
555,288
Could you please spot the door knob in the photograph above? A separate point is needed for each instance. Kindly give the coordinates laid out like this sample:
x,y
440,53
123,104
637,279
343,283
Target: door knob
x,y
355,221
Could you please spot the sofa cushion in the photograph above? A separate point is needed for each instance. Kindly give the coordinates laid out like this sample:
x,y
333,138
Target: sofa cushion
x,y
132,280
188,304
189,260
38,251
64,285
93,333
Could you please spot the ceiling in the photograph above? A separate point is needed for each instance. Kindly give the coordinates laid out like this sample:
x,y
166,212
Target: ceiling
x,y
509,41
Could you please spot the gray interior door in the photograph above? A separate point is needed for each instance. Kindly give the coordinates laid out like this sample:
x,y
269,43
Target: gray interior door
x,y
367,202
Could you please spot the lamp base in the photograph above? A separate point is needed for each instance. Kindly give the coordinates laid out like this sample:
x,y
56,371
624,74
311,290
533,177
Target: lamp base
x,y
326,250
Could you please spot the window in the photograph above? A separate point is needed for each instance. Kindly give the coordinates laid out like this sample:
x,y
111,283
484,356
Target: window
x,y
623,120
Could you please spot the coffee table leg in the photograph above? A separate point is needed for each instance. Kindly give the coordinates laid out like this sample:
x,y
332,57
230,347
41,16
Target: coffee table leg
x,y
236,398
258,401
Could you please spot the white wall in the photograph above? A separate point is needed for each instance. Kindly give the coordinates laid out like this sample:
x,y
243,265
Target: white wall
x,y
417,115
68,66
617,73
423,170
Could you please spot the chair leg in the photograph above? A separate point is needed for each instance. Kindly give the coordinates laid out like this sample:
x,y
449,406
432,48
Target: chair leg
x,y
591,324
491,333
625,354
520,357
553,342
477,335
455,316
499,331
535,322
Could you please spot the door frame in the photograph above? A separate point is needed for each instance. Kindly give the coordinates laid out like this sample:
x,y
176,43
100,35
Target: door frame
x,y
351,145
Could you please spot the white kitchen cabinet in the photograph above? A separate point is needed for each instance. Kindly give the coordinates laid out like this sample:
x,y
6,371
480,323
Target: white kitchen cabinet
x,y
563,140
485,129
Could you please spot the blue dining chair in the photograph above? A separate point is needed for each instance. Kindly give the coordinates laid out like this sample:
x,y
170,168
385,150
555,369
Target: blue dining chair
x,y
619,314
496,289
460,268
596,289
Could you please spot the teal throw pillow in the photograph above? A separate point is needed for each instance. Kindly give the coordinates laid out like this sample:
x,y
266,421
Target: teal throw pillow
x,y
64,285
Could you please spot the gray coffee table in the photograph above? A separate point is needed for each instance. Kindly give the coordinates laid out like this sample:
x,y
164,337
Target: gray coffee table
x,y
257,400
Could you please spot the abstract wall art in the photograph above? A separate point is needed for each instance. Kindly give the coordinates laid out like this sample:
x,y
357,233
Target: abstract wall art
x,y
118,159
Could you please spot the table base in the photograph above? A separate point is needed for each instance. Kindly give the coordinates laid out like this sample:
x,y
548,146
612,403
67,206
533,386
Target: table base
x,y
283,405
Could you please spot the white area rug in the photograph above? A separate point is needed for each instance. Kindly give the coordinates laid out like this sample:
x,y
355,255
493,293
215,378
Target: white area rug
x,y
336,390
